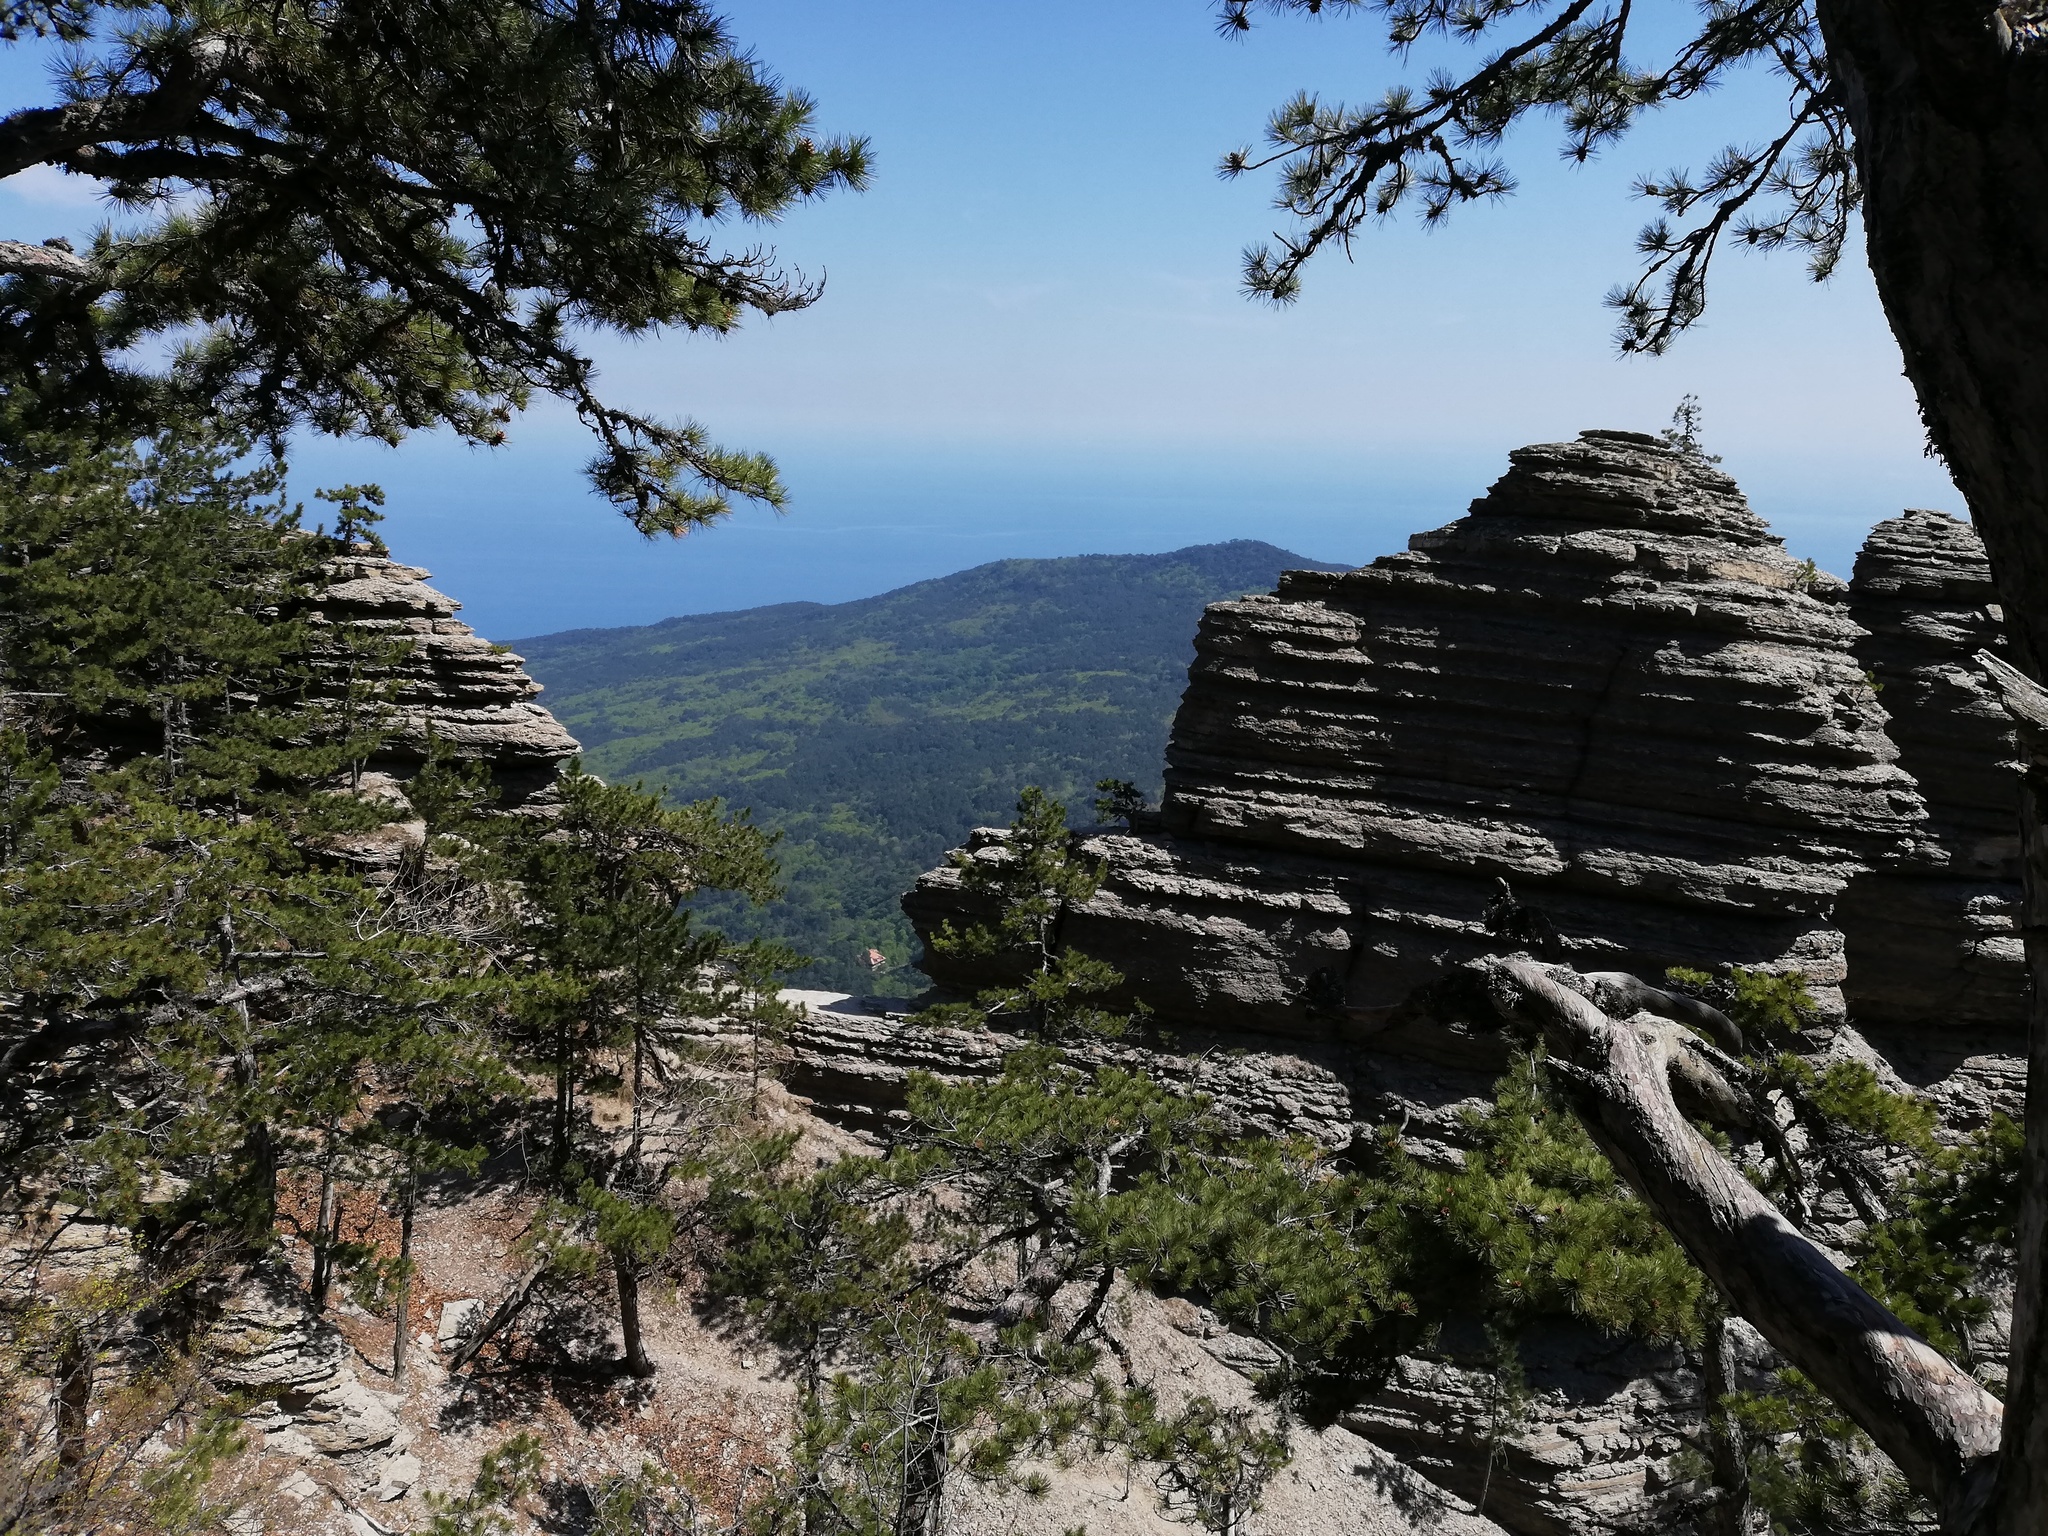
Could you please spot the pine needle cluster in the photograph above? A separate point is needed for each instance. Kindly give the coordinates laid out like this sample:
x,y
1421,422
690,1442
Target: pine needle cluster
x,y
1347,1264
370,219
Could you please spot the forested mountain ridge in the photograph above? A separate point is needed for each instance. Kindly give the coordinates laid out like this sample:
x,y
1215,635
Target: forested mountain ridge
x,y
873,734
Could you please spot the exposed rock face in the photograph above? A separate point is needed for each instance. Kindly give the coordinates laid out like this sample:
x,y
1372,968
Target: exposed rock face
x,y
857,1063
1933,946
1592,1453
264,1341
1608,685
270,1346
450,683
1611,688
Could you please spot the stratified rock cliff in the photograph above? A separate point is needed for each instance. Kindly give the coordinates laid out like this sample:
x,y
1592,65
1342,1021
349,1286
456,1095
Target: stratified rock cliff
x,y
1607,685
1937,970
1932,943
1604,715
446,682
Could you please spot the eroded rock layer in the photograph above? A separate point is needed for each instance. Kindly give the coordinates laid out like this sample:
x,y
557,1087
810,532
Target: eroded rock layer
x,y
1609,688
445,682
1607,685
1932,944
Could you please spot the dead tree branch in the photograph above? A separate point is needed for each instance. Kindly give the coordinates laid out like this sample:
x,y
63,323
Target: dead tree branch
x,y
1928,1415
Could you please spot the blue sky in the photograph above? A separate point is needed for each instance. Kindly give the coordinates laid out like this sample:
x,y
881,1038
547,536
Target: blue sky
x,y
1032,341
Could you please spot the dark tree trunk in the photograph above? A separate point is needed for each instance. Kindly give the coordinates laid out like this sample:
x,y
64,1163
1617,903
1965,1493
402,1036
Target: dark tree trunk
x,y
401,1337
925,1465
637,1363
323,1235
565,1103
259,1182
639,1088
74,1399
1730,1513
1949,107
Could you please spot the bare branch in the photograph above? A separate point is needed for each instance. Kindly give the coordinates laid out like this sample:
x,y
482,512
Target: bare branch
x,y
1932,1418
20,259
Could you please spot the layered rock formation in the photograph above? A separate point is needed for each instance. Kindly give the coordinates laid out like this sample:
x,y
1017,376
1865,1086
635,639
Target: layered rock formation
x,y
1592,1451
446,683
270,1347
1608,685
1933,947
857,1064
1606,716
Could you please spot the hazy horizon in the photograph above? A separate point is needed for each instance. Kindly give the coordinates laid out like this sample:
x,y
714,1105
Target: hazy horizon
x,y
1032,341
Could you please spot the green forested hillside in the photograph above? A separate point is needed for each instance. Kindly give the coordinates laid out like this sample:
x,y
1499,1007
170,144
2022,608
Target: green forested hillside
x,y
875,733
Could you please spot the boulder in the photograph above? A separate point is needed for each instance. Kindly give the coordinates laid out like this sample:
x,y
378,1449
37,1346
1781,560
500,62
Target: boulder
x,y
267,1344
458,1318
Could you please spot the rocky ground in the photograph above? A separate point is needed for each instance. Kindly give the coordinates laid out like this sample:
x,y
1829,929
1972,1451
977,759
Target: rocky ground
x,y
338,1447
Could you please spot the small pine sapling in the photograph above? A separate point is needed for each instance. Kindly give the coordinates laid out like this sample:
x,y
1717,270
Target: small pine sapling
x,y
503,1478
1213,1464
1118,800
1033,879
357,512
1683,435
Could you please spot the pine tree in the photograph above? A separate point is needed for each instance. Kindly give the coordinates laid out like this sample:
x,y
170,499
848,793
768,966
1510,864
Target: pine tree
x,y
197,994
370,219
624,959
1032,881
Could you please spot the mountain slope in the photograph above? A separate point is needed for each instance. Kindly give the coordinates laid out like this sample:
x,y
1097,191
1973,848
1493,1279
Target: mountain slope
x,y
875,733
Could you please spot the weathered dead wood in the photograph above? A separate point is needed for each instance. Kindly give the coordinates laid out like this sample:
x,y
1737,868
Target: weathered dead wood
x,y
1932,1418
2023,698
508,1308
1622,995
20,259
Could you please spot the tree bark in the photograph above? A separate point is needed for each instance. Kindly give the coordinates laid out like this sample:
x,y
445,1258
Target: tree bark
x,y
639,1086
323,1233
925,1462
1948,102
74,1398
401,1337
1730,1514
19,258
503,1313
1928,1415
637,1363
565,1103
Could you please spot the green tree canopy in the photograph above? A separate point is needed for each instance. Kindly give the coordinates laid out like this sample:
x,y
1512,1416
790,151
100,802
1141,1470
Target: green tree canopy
x,y
1433,147
370,217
